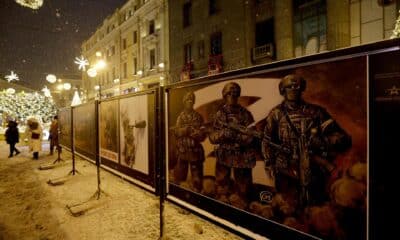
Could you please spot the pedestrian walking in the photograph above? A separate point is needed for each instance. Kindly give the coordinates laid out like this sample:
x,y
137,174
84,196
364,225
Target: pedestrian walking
x,y
34,135
12,137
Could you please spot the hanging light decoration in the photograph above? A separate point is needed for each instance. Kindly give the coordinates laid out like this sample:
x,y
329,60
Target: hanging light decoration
x,y
92,72
82,62
34,4
67,86
12,76
51,78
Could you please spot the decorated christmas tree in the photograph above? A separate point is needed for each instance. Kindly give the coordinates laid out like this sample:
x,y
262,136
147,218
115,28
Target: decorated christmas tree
x,y
20,106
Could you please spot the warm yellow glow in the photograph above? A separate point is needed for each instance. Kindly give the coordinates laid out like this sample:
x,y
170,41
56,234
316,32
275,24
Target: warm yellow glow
x,y
161,65
92,72
140,72
100,64
98,54
116,80
60,87
51,78
67,86
97,87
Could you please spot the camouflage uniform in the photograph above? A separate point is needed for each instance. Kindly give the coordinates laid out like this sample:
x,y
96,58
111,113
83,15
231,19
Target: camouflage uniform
x,y
233,149
190,152
285,124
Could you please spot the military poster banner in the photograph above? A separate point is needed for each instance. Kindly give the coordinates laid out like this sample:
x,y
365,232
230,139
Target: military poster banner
x,y
64,119
288,146
108,130
84,124
134,133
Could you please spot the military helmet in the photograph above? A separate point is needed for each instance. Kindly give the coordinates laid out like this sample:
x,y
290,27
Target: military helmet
x,y
293,81
229,87
189,96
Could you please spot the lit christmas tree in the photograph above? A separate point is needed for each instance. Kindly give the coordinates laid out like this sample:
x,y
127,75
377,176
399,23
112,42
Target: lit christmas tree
x,y
22,105
396,31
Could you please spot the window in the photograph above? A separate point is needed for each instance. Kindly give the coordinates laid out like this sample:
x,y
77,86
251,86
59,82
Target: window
x,y
125,70
134,65
216,43
124,43
112,51
113,73
187,14
152,58
213,7
135,37
187,53
309,26
151,27
265,32
201,49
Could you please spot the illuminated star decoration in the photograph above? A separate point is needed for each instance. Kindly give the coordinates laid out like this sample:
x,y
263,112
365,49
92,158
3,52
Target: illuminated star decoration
x,y
12,76
82,62
394,91
34,4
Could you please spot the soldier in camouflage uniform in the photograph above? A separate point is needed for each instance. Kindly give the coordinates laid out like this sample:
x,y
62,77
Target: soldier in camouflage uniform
x,y
189,133
314,139
234,150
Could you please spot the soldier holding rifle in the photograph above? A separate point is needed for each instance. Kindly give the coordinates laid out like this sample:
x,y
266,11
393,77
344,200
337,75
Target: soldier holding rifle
x,y
189,133
313,139
234,150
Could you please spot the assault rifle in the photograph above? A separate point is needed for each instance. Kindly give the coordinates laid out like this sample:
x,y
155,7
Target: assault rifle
x,y
140,124
280,147
260,135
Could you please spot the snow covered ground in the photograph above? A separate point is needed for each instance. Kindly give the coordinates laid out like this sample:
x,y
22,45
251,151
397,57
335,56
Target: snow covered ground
x,y
32,209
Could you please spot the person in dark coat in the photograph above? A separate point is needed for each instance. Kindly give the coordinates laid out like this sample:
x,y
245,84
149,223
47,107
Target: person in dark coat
x,y
12,137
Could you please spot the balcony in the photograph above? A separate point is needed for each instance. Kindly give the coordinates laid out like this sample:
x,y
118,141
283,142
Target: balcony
x,y
214,64
186,71
264,51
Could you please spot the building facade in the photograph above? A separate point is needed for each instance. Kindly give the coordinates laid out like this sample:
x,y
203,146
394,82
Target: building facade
x,y
151,42
211,36
131,42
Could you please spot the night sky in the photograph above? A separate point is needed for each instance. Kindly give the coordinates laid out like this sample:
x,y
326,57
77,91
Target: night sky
x,y
34,43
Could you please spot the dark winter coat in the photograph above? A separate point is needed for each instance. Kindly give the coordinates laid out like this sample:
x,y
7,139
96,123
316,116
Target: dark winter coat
x,y
12,134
